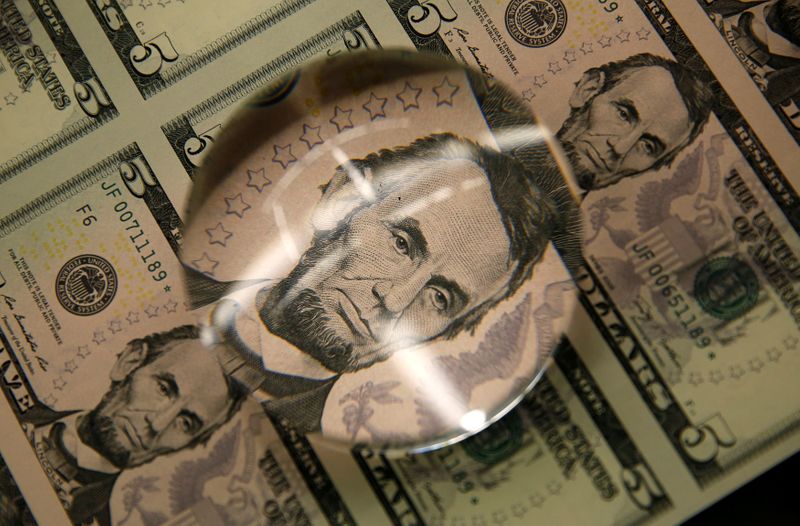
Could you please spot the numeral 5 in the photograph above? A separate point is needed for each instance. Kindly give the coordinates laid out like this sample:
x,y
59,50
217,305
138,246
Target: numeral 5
x,y
641,485
110,14
137,175
702,442
195,148
426,18
91,96
148,58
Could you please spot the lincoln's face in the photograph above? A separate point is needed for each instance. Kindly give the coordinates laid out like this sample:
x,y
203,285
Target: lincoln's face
x,y
397,271
625,130
160,407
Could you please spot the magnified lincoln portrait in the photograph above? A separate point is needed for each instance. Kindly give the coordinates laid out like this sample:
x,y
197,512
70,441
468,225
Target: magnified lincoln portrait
x,y
410,244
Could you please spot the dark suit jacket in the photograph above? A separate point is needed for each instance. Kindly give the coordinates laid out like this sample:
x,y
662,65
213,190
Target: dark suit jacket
x,y
91,500
298,400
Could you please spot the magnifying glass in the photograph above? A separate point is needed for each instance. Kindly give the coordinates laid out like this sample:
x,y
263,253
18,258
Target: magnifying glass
x,y
382,244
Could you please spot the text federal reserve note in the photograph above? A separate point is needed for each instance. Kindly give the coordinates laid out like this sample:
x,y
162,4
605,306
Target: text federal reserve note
x,y
691,241
50,95
160,43
562,445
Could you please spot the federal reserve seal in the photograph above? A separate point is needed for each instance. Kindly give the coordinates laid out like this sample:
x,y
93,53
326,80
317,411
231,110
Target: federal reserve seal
x,y
726,287
536,23
497,442
86,284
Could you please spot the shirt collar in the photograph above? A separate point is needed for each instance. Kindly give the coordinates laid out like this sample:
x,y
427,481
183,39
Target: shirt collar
x,y
776,44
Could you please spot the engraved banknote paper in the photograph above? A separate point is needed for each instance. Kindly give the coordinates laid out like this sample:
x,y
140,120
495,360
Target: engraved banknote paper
x,y
160,43
765,37
675,335
14,511
192,133
562,445
51,95
92,310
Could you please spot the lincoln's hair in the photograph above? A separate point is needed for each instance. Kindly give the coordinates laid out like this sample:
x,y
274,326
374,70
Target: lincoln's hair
x,y
695,93
529,216
159,343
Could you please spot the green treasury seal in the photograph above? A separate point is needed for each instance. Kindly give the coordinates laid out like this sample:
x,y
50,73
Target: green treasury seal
x,y
86,284
726,287
497,442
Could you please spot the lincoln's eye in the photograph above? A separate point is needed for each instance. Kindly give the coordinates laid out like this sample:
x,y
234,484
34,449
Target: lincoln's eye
x,y
400,244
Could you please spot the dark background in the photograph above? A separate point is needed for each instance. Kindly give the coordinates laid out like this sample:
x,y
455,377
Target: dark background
x,y
769,499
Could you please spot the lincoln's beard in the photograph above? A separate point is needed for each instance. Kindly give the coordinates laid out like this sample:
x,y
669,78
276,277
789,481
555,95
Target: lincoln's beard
x,y
298,316
97,429
575,124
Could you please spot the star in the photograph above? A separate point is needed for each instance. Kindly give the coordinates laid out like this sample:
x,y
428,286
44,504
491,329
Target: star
x,y
536,500
791,343
98,337
283,155
774,354
83,351
409,96
695,378
539,81
674,377
624,36
258,179
171,305
586,48
151,311
236,205
445,92
205,264
218,235
528,94
569,56
59,383
70,366
554,67
311,136
715,376
604,41
518,509
11,99
756,364
643,34
736,372
115,326
375,106
619,19
50,400
499,517
167,288
341,118
554,487
133,317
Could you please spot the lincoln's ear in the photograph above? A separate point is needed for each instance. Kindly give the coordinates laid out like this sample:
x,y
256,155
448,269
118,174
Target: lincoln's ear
x,y
349,188
590,85
129,359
